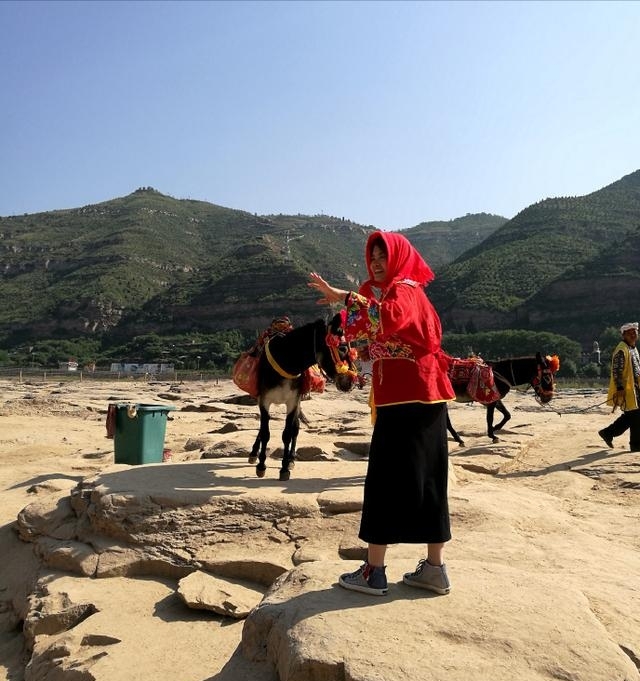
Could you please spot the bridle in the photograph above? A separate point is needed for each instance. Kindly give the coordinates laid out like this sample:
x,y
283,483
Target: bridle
x,y
343,366
543,383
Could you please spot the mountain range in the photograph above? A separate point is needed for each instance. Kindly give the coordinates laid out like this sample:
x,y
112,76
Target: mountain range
x,y
150,263
567,265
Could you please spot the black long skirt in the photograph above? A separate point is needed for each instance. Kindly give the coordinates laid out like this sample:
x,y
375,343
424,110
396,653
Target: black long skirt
x,y
405,490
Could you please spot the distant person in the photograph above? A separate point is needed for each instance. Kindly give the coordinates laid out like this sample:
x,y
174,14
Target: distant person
x,y
624,389
596,352
405,489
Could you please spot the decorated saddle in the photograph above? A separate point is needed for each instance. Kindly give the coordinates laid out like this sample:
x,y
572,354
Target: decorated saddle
x,y
476,377
245,370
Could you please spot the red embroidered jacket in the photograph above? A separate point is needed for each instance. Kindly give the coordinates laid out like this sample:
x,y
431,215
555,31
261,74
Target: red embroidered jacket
x,y
404,334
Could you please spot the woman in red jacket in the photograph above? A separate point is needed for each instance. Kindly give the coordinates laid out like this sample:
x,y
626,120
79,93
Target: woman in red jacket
x,y
405,490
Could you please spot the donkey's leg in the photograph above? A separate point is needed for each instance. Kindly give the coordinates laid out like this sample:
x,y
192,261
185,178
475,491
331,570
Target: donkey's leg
x,y
295,429
490,411
253,456
289,439
454,433
499,405
259,449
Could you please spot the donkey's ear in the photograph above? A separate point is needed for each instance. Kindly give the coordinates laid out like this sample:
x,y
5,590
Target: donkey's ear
x,y
540,359
334,324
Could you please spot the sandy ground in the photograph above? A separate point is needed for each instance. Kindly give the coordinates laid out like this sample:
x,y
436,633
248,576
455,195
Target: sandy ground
x,y
54,433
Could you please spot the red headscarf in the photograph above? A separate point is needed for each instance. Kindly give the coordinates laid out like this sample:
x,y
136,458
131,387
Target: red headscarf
x,y
403,262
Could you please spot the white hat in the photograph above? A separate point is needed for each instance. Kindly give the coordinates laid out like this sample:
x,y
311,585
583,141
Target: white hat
x,y
629,326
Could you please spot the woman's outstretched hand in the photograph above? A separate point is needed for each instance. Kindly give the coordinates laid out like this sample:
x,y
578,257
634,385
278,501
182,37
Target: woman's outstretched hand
x,y
329,293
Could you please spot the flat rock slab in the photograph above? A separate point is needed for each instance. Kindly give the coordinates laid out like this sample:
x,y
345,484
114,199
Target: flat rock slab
x,y
202,591
308,627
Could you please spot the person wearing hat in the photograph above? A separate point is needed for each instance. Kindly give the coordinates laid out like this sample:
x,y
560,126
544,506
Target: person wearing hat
x,y
624,389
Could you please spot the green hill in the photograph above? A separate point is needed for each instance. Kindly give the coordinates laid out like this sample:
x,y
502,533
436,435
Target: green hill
x,y
507,280
148,263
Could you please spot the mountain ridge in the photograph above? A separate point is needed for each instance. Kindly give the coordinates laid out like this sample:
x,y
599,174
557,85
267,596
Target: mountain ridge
x,y
149,263
515,277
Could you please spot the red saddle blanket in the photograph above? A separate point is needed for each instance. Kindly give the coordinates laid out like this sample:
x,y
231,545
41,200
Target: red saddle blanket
x,y
245,373
245,376
476,377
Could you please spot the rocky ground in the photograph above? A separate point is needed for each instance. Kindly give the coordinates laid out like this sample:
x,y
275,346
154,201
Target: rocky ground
x,y
195,569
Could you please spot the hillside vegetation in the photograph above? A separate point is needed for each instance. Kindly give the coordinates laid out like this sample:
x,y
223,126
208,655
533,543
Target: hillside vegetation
x,y
150,265
532,271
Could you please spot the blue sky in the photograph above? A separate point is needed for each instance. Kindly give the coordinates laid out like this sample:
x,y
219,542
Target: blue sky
x,y
385,113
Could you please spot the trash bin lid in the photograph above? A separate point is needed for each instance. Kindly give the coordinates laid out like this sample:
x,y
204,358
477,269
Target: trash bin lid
x,y
154,407
146,407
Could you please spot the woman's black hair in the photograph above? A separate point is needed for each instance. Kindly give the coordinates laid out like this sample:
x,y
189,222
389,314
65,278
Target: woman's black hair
x,y
379,242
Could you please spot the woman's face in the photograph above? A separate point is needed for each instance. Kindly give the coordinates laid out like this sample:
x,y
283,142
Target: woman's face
x,y
378,263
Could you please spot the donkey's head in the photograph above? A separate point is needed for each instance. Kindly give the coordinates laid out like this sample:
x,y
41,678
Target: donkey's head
x,y
338,362
544,382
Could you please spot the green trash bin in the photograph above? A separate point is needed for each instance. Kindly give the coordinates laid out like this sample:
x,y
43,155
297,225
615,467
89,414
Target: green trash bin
x,y
139,432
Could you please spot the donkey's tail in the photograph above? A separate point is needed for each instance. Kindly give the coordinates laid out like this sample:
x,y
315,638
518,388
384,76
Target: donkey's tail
x,y
304,419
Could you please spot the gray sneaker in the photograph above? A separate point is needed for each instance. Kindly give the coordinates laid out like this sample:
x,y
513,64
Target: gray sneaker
x,y
427,576
367,579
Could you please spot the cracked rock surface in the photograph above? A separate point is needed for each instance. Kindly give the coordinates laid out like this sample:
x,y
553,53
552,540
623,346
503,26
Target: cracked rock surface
x,y
195,569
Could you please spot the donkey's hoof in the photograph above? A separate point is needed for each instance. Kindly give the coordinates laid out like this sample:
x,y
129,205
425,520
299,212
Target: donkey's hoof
x,y
261,470
253,460
284,475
